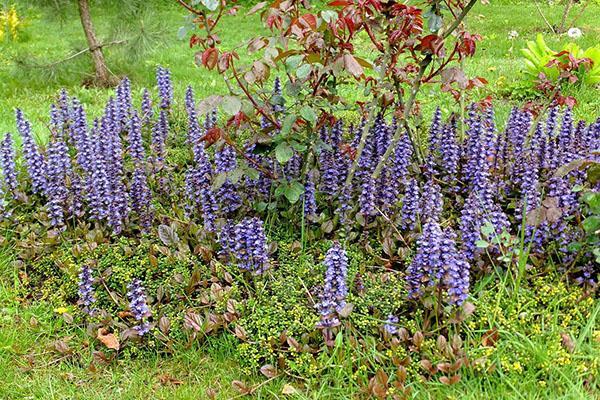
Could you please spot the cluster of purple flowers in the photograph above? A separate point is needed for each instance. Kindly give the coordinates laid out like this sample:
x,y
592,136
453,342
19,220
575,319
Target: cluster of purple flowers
x,y
87,296
335,288
138,306
105,172
7,162
438,264
165,87
249,248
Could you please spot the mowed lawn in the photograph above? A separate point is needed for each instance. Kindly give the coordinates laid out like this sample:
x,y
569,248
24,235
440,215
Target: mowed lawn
x,y
48,38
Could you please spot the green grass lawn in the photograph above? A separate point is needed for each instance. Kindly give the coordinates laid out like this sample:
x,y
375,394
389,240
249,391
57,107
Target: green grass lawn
x,y
30,366
49,39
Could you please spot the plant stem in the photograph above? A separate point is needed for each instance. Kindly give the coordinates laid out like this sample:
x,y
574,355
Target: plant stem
x,y
416,85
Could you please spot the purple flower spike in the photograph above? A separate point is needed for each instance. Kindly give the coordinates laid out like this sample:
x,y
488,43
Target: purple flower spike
x,y
7,162
391,325
310,203
410,204
432,202
141,196
435,132
59,167
450,150
86,291
225,161
136,146
335,288
250,249
138,306
36,164
147,112
165,87
438,263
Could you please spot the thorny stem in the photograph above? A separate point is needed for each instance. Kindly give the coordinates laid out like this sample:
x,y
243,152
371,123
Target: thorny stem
x,y
403,126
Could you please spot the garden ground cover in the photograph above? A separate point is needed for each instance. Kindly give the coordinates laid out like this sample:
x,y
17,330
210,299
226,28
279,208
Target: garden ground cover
x,y
27,331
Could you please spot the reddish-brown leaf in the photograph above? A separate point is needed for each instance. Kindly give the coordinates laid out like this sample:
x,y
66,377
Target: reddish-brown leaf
x,y
257,7
339,3
166,379
490,338
352,66
108,339
210,57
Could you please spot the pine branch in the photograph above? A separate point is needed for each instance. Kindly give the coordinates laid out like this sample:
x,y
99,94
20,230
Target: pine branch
x,y
75,55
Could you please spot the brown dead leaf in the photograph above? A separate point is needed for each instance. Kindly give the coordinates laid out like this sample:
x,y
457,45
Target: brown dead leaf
x,y
567,342
268,370
289,389
61,346
211,393
490,338
166,379
450,380
241,387
108,339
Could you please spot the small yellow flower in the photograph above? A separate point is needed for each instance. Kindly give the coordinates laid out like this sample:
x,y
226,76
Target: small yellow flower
x,y
61,310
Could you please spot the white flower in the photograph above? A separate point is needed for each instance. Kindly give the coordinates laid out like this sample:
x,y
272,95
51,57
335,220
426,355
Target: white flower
x,y
574,33
513,35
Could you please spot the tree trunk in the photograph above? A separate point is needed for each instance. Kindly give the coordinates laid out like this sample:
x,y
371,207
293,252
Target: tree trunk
x,y
103,77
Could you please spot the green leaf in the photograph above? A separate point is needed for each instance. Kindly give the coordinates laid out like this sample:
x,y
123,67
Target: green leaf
x,y
488,229
298,146
482,244
283,152
231,105
329,16
303,71
288,122
219,180
293,62
596,252
252,173
591,224
277,100
293,191
309,115
592,199
211,4
235,175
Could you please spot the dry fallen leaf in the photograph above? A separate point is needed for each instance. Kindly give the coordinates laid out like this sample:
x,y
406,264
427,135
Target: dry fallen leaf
x,y
166,379
289,389
62,347
108,339
268,370
567,342
490,338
